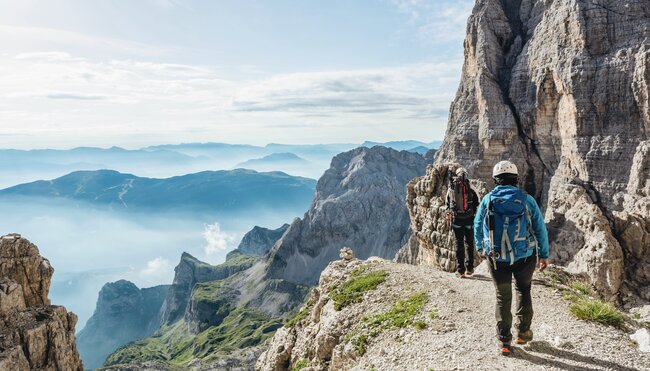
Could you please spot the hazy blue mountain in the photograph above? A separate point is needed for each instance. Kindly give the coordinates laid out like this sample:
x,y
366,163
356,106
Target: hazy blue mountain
x,y
404,145
19,166
419,149
220,191
286,161
259,240
123,313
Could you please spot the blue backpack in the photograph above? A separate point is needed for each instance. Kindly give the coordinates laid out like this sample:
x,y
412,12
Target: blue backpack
x,y
507,227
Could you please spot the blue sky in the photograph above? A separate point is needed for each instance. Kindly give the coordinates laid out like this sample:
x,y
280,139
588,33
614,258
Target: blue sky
x,y
133,73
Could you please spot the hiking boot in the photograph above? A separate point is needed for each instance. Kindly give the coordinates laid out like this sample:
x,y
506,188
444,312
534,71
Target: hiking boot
x,y
506,349
469,272
460,275
524,337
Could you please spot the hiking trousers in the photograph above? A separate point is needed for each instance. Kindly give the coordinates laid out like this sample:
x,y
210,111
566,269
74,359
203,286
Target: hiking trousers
x,y
522,270
464,234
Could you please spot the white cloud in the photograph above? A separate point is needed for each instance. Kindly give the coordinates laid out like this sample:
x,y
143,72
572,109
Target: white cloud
x,y
437,21
64,100
408,91
158,267
217,241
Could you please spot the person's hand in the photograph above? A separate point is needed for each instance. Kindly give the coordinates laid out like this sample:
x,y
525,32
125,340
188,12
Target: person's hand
x,y
542,264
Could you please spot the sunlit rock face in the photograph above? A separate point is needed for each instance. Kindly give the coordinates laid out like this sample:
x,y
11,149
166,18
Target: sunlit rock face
x,y
34,335
561,88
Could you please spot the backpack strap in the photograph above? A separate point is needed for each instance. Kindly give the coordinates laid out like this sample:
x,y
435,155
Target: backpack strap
x,y
506,246
531,232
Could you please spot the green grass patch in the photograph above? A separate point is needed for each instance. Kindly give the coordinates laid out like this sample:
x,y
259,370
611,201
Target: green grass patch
x,y
300,365
352,290
401,315
434,314
420,325
302,314
177,347
582,288
597,311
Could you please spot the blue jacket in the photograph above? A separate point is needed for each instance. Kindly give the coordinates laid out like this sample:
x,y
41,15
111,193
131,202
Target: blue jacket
x,y
537,221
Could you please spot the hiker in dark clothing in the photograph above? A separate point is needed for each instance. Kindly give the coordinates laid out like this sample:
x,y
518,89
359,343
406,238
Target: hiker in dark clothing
x,y
510,232
462,202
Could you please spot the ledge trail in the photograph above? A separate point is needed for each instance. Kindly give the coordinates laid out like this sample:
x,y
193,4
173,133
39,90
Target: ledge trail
x,y
459,336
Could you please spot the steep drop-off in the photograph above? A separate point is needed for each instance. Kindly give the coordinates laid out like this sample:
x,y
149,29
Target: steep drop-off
x,y
123,313
560,88
358,202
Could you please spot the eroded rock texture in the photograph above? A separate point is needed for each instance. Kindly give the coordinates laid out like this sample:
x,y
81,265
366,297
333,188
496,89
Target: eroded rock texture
x,y
34,335
359,202
561,89
432,241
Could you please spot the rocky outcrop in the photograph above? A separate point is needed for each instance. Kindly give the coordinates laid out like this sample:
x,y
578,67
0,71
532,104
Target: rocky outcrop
x,y
123,313
34,335
191,271
432,242
561,88
359,202
259,240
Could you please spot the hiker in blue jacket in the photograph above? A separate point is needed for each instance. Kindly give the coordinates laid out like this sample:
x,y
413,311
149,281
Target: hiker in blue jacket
x,y
509,231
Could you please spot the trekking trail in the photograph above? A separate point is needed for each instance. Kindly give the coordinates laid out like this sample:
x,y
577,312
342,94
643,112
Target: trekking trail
x,y
460,332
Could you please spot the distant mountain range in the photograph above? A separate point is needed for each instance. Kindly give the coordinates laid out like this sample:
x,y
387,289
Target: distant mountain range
x,y
167,160
220,191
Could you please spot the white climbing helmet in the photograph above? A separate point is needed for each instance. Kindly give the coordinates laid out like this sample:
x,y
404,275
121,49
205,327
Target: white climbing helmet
x,y
504,167
461,171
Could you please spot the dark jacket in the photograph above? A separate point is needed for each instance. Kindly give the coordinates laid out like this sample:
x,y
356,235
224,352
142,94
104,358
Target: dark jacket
x,y
472,206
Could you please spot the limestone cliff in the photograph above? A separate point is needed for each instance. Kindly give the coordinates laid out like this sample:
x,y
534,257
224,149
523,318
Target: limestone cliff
x,y
259,240
191,271
34,335
123,313
561,88
359,202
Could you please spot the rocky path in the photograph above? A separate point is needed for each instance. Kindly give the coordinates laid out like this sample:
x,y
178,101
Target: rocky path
x,y
462,337
458,327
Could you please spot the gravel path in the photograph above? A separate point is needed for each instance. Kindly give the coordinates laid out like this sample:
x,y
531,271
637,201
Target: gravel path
x,y
463,337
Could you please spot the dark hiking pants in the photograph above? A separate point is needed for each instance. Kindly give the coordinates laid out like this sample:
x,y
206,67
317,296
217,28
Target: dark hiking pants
x,y
464,234
522,270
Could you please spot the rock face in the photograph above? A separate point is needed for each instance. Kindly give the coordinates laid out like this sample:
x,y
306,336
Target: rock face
x,y
34,335
259,240
359,202
123,313
432,242
188,273
561,89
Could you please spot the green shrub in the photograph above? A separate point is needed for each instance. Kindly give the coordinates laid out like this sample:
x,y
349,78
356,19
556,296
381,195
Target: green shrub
x,y
582,288
302,363
359,342
402,314
352,290
420,325
302,314
597,311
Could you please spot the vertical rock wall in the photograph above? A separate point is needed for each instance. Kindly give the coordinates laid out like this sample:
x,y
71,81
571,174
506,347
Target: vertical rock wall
x,y
560,87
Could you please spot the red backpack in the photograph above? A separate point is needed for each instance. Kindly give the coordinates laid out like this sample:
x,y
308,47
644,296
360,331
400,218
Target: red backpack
x,y
459,198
